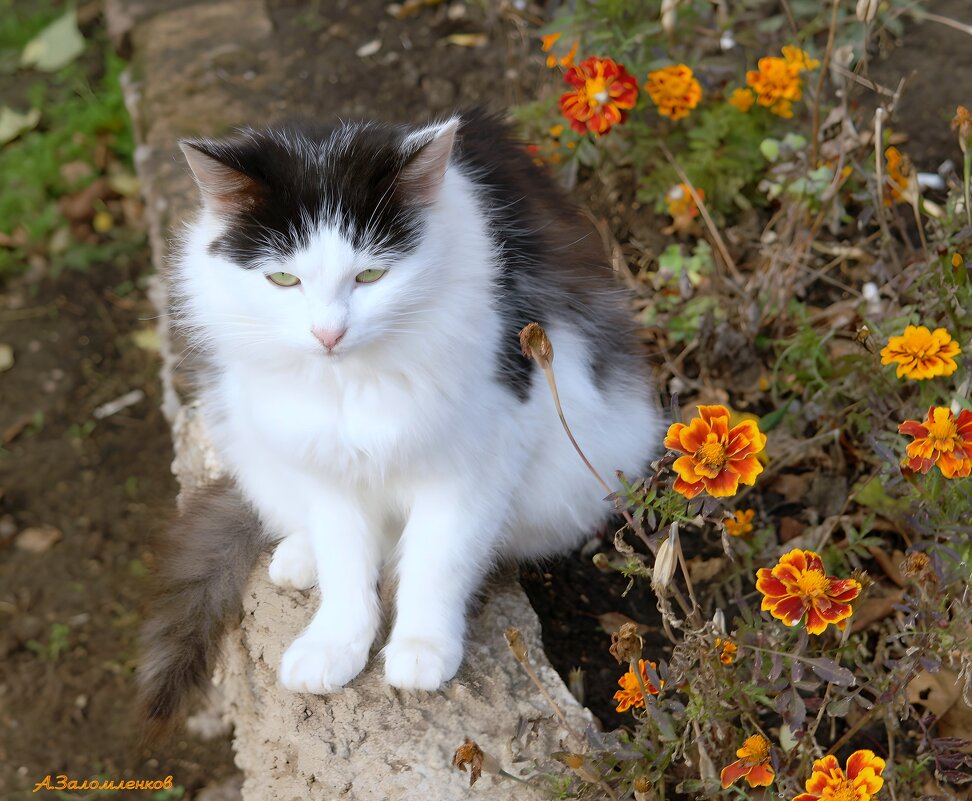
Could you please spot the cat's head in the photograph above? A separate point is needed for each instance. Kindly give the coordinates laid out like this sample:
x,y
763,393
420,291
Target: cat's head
x,y
310,242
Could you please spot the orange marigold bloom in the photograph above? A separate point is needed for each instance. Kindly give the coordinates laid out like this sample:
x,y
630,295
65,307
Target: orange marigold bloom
x,y
901,184
753,763
777,82
548,42
742,99
680,202
799,59
739,522
630,694
859,781
799,586
674,90
941,439
921,353
603,91
962,123
727,650
717,458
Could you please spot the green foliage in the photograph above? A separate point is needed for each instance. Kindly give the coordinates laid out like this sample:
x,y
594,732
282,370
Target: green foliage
x,y
78,118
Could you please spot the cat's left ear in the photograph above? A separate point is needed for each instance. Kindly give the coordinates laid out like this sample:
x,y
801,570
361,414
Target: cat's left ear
x,y
421,177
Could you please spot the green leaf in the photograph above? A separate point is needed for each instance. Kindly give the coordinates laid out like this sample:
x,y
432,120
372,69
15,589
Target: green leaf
x,y
56,46
13,124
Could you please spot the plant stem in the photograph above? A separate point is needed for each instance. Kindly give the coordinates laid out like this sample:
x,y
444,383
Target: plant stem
x,y
824,66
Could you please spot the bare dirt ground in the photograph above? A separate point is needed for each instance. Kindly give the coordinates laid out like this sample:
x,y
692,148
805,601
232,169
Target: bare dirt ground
x,y
69,612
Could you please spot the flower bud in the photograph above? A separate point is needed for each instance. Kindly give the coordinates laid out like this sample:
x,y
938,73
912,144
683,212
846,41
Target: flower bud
x,y
665,562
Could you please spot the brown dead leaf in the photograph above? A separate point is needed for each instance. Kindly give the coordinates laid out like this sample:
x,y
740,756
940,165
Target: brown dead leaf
x,y
38,539
703,570
790,528
941,694
889,564
792,486
871,610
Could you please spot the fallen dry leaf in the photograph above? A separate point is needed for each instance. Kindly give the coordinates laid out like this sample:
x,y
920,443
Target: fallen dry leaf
x,y
38,539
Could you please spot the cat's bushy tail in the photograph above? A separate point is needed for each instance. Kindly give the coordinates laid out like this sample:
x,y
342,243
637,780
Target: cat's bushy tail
x,y
203,564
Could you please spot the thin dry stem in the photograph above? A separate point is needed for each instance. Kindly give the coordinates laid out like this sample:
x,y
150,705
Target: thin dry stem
x,y
713,231
818,91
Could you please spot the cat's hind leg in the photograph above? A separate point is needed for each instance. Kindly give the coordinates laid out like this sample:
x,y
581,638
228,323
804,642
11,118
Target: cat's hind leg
x,y
292,565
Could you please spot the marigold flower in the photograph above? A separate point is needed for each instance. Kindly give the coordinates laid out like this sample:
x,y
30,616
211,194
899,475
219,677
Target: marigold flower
x,y
717,458
921,353
799,586
680,202
753,763
727,650
799,59
742,99
859,781
630,694
739,522
962,124
777,84
901,184
674,90
547,43
942,439
603,91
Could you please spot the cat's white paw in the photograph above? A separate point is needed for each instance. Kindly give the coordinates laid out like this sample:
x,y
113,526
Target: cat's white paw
x,y
292,564
314,665
415,663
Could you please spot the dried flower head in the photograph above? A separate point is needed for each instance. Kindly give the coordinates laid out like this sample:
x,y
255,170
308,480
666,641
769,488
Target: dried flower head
x,y
626,643
717,458
798,587
674,90
921,353
514,639
860,780
471,755
536,345
753,763
739,523
940,439
602,94
630,694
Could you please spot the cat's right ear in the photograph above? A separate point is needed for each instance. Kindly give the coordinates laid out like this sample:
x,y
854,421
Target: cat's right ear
x,y
224,188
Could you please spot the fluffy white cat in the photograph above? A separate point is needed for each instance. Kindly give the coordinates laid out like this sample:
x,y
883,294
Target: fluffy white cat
x,y
358,292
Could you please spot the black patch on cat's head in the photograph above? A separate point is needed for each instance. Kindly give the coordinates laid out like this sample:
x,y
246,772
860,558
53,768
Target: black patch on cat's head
x,y
292,180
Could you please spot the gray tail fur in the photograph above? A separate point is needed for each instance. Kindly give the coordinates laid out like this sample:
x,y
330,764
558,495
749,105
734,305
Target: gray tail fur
x,y
202,568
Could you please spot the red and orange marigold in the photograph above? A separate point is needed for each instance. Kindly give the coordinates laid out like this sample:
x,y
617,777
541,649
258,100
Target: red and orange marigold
x,y
753,763
674,90
798,587
860,780
717,458
602,94
942,439
630,694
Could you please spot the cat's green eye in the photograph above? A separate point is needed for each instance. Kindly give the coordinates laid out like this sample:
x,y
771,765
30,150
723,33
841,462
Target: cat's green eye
x,y
283,279
369,276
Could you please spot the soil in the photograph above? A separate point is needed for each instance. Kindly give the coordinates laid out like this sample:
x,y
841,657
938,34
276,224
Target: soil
x,y
105,489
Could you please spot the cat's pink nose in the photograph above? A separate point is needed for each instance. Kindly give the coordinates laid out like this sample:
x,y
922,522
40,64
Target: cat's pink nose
x,y
329,337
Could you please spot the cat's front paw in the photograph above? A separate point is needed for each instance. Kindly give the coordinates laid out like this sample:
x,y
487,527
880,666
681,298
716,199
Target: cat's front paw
x,y
292,564
315,665
415,663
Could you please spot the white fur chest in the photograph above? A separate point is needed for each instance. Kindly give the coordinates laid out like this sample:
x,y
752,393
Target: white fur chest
x,y
337,424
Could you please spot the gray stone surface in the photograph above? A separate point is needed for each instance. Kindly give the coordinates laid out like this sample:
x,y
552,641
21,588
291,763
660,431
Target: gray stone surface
x,y
201,68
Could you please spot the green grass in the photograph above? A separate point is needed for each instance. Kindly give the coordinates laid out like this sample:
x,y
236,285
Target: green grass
x,y
82,109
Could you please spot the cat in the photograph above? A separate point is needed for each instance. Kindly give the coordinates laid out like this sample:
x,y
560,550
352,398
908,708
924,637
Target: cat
x,y
358,291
